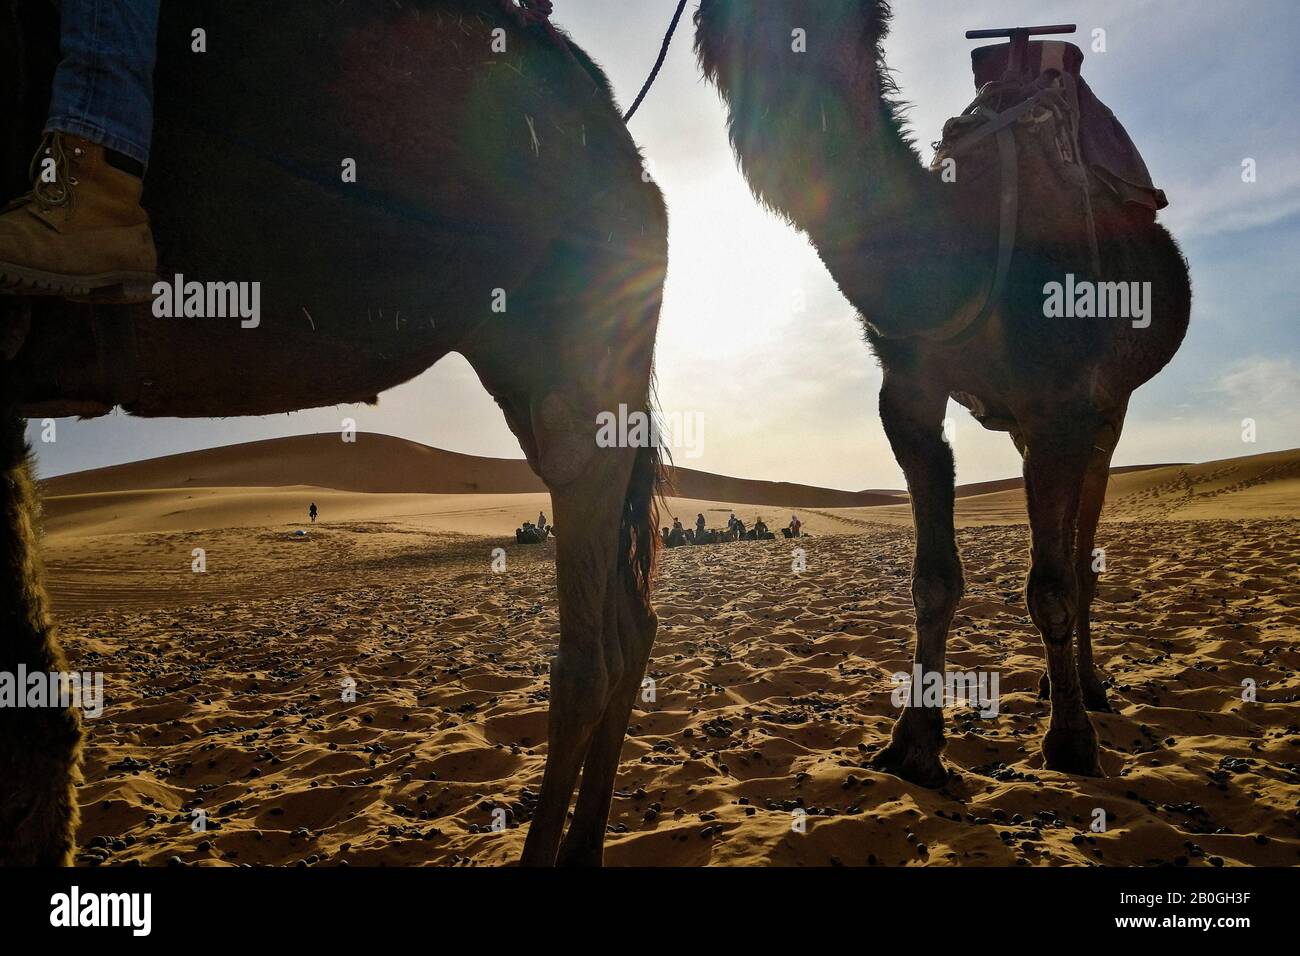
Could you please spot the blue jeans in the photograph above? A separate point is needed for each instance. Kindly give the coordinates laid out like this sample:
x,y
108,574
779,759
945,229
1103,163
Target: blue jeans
x,y
103,88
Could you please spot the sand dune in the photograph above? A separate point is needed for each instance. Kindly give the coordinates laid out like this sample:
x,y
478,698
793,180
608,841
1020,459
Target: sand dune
x,y
1258,486
392,469
382,464
1018,482
375,464
772,686
379,478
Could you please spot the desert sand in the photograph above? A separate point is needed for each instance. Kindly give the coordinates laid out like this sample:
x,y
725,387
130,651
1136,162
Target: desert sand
x,y
771,686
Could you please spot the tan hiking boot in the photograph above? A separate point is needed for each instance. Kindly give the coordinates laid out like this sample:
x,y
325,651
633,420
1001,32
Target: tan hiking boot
x,y
81,232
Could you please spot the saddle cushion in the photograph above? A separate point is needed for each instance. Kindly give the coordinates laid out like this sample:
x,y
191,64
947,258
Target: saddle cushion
x,y
1107,149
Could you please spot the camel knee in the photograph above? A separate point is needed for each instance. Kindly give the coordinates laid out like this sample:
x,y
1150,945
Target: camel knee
x,y
1086,578
565,439
581,686
1051,597
643,641
637,629
937,591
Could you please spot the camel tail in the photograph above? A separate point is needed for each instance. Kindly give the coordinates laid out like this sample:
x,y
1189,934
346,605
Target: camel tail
x,y
639,534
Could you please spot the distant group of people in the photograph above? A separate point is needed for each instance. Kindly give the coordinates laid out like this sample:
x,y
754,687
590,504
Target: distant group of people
x,y
678,535
673,537
534,533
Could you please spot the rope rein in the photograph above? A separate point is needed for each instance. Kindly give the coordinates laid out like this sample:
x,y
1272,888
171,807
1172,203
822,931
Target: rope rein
x,y
539,12
663,54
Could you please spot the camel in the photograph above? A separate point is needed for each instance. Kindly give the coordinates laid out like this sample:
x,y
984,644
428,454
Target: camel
x,y
819,137
500,210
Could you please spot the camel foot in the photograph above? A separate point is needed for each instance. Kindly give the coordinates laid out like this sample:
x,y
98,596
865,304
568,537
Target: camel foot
x,y
913,751
922,767
1072,751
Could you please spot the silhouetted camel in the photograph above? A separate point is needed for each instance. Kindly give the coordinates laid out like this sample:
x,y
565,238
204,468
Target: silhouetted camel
x,y
821,142
499,210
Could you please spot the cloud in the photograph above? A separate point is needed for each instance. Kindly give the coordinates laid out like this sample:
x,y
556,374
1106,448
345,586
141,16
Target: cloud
x,y
1220,202
1263,386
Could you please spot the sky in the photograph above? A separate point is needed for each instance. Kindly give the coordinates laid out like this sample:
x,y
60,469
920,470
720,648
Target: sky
x,y
784,393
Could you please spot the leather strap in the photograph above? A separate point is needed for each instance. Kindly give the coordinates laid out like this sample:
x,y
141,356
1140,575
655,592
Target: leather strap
x,y
1008,217
956,332
1072,100
996,122
999,125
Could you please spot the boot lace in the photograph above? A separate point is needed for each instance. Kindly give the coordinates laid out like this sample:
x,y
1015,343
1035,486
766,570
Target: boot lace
x,y
47,193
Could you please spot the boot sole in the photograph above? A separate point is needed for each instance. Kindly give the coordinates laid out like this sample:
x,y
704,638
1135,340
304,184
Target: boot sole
x,y
106,287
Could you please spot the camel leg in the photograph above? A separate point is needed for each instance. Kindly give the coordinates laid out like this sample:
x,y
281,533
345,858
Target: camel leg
x,y
591,307
1091,503
40,747
585,842
596,494
1056,462
1091,500
589,666
912,410
554,415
